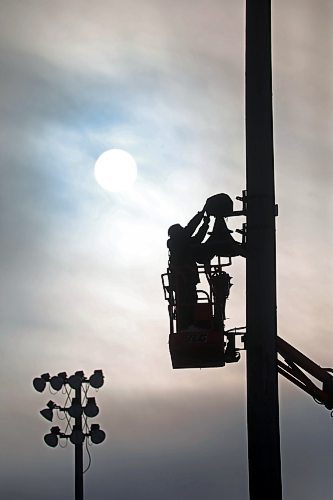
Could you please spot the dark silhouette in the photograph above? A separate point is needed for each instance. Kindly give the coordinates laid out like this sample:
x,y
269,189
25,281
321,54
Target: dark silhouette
x,y
219,244
187,249
183,265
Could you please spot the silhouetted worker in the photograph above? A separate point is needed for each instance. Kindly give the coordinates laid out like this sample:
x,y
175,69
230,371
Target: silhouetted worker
x,y
187,250
183,267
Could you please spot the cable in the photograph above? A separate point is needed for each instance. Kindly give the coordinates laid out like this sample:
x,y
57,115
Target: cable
x,y
69,425
63,446
68,392
85,423
89,457
58,415
85,392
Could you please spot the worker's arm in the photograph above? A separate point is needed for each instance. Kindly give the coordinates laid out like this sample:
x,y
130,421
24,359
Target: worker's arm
x,y
194,223
202,231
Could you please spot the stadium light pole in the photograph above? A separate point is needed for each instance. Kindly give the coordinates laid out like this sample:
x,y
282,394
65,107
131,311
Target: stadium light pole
x,y
261,338
78,451
80,409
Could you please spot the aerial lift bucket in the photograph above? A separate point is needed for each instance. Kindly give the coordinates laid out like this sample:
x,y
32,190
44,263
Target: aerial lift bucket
x,y
199,346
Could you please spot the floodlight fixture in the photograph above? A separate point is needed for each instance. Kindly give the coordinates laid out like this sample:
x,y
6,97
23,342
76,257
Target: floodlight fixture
x,y
39,383
77,436
75,380
52,439
96,434
47,413
91,409
75,410
96,380
58,381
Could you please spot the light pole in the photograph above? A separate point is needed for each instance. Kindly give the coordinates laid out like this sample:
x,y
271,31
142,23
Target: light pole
x,y
261,336
78,451
79,408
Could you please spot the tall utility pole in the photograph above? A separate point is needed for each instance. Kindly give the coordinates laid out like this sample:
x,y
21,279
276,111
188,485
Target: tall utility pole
x,y
261,338
78,451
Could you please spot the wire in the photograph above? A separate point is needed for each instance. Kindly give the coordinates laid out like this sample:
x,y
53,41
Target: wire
x,y
58,415
68,392
69,425
85,423
85,392
65,445
89,457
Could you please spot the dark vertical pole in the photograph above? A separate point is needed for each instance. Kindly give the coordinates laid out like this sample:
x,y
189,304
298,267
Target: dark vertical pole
x,y
78,453
262,384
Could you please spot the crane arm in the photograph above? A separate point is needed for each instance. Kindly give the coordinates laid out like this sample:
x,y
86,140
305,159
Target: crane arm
x,y
296,367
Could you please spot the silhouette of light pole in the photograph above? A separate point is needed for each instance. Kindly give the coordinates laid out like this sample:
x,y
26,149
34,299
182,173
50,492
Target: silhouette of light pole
x,y
79,409
261,337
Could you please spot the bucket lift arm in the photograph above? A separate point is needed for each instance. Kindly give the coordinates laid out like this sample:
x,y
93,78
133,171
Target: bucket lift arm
x,y
296,367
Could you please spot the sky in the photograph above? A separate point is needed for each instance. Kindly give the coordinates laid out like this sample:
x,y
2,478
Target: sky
x,y
81,267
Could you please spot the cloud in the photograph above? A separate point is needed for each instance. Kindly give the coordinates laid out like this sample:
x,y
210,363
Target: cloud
x,y
82,268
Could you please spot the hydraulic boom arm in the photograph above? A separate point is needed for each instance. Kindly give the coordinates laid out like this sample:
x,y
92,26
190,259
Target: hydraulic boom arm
x,y
293,367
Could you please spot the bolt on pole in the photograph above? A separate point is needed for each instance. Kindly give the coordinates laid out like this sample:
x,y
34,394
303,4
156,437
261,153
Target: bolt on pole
x,y
261,338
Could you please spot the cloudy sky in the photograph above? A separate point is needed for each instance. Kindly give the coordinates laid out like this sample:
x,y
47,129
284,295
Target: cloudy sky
x,y
81,268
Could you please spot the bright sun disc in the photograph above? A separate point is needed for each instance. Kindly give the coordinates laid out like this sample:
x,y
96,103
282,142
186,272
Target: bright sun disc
x,y
115,170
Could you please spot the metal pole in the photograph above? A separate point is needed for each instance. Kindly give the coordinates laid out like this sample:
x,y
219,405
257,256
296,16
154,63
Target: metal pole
x,y
78,453
262,383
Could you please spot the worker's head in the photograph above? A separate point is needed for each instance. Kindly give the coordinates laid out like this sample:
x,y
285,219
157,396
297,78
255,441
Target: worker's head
x,y
175,230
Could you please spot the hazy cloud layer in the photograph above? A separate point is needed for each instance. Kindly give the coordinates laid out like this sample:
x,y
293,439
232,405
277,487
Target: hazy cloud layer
x,y
81,268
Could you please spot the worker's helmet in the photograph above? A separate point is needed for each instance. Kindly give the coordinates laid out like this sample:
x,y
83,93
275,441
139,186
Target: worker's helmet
x,y
175,230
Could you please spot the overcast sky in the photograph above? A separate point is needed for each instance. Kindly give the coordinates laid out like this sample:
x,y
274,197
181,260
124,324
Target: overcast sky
x,y
81,268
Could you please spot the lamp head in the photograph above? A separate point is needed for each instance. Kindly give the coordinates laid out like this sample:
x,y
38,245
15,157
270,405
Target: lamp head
x,y
47,413
75,380
52,439
75,410
77,436
96,434
96,380
91,409
58,381
39,383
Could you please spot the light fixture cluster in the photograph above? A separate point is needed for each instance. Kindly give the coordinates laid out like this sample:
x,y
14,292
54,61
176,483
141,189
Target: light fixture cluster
x,y
77,436
80,407
57,382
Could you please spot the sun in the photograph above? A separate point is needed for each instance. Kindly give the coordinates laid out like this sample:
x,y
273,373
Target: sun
x,y
115,170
